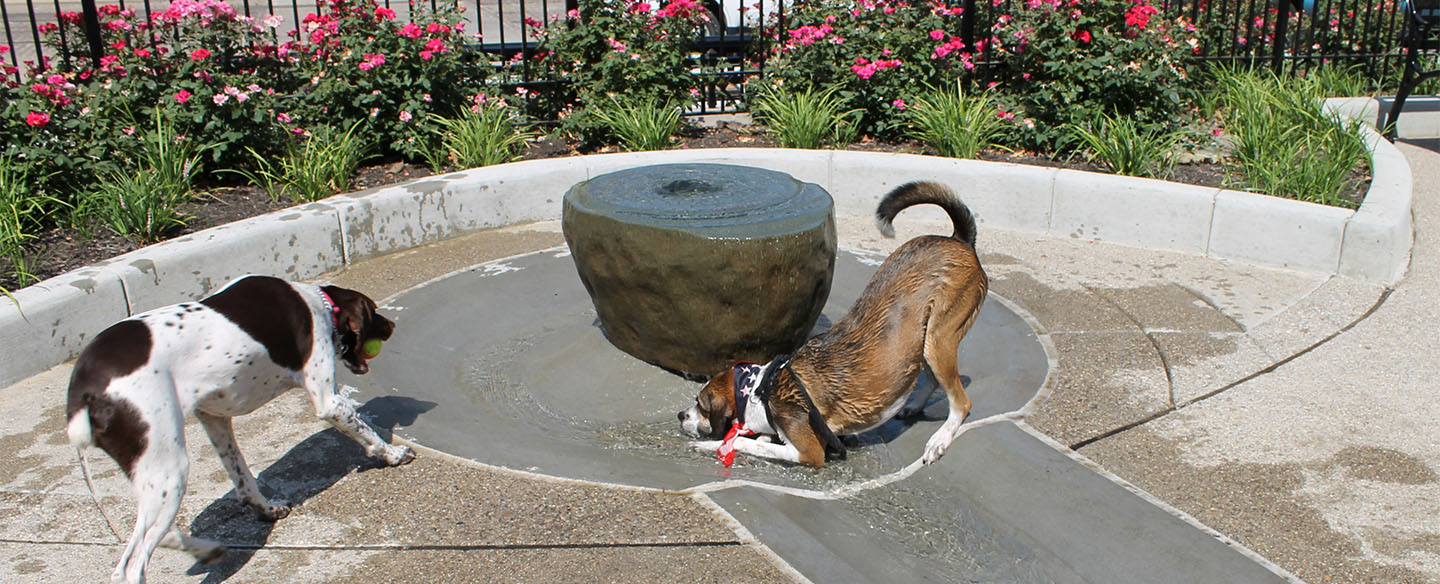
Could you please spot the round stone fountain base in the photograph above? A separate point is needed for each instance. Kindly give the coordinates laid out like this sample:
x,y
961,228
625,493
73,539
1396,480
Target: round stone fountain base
x,y
695,266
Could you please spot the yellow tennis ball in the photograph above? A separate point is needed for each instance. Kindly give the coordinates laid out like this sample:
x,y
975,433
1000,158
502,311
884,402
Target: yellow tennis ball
x,y
371,348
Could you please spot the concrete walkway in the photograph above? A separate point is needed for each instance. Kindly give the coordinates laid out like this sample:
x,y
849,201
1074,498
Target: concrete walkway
x,y
1292,413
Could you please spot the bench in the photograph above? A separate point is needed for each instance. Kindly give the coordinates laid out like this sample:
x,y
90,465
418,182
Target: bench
x,y
1420,36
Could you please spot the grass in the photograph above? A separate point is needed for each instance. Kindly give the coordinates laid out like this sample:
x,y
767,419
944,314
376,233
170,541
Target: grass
x,y
1284,142
1125,148
809,118
135,203
640,126
21,211
953,123
141,200
479,137
316,167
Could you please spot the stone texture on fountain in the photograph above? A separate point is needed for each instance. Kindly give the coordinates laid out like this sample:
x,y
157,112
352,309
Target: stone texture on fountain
x,y
694,266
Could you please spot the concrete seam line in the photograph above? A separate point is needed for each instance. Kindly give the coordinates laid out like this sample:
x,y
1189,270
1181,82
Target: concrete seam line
x,y
1263,371
345,243
1210,223
1164,362
1156,501
747,538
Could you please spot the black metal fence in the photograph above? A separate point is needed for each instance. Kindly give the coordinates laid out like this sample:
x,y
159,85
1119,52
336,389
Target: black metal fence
x,y
1284,34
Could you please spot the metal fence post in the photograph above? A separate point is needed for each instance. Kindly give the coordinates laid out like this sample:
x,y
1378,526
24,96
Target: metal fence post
x,y
92,31
967,25
1282,26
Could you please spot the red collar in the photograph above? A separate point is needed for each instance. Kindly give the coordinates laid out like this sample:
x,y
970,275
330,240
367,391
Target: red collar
x,y
334,310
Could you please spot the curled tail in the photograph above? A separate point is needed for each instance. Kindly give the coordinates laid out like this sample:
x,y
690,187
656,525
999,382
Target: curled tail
x,y
920,193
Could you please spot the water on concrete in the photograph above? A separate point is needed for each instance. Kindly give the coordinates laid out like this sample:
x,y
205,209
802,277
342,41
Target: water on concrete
x,y
521,376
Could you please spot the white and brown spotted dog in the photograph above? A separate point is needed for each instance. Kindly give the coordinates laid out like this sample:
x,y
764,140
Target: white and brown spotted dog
x,y
221,357
857,375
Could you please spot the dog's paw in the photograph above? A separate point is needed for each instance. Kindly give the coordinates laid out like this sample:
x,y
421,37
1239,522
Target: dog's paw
x,y
935,449
706,445
273,510
398,455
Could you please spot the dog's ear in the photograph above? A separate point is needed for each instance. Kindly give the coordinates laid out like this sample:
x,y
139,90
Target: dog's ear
x,y
719,395
355,311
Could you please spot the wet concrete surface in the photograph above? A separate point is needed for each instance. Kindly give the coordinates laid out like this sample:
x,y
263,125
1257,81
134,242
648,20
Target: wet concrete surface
x,y
540,378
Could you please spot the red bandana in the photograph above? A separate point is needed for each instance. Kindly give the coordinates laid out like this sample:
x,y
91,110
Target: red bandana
x,y
747,378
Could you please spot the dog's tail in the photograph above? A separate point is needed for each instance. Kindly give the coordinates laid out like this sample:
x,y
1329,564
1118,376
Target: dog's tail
x,y
920,193
82,437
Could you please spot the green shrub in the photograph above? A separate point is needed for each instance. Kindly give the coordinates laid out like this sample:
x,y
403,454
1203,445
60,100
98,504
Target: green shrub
x,y
953,123
639,125
134,204
808,118
873,53
614,48
1062,63
482,135
22,211
1123,147
360,64
1284,142
142,200
314,167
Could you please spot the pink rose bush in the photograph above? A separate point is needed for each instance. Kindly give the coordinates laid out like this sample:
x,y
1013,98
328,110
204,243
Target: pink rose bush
x,y
1066,61
889,49
224,80
634,49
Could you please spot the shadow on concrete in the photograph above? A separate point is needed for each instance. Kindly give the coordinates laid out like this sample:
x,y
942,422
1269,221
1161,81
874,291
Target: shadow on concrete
x,y
306,470
935,409
1431,144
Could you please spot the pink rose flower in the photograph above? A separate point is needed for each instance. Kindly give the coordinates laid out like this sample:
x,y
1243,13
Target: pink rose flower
x,y
411,30
199,54
182,96
37,119
385,13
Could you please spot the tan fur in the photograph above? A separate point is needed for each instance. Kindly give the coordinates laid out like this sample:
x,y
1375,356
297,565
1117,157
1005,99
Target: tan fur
x,y
922,300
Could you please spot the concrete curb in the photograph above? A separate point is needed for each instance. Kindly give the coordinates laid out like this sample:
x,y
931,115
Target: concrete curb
x,y
56,317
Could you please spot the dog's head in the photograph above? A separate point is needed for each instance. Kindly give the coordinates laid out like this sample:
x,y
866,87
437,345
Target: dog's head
x,y
356,321
714,408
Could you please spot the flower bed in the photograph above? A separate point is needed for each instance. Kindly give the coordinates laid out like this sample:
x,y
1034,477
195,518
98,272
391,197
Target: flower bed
x,y
201,95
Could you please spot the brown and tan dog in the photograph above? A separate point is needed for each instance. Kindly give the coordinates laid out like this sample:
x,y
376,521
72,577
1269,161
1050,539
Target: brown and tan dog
x,y
858,374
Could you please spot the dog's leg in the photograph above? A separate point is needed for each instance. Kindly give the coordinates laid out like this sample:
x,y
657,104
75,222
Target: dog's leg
x,y
941,355
203,550
247,489
158,480
920,397
337,410
754,447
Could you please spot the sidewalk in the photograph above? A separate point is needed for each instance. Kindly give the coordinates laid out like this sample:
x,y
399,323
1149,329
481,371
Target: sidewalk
x,y
1291,412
